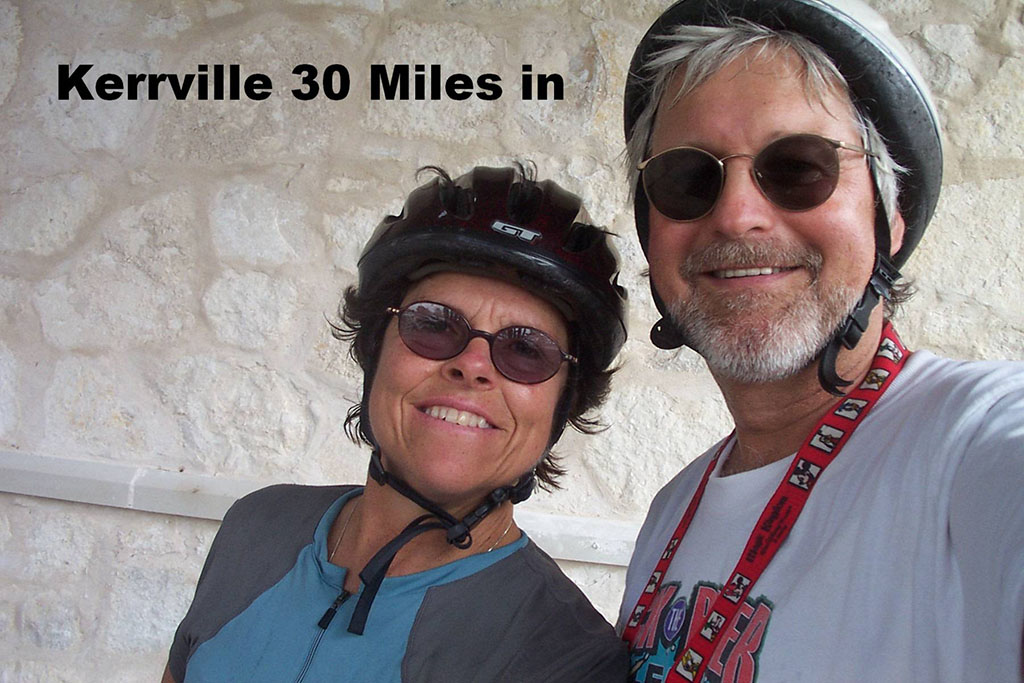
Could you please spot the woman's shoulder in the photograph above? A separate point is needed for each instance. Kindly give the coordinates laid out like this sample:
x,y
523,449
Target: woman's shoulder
x,y
278,519
296,494
546,627
282,506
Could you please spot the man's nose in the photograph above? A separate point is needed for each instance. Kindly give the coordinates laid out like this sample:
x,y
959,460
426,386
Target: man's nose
x,y
741,206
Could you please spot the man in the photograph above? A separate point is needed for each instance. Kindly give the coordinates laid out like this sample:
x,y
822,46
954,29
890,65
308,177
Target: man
x,y
865,519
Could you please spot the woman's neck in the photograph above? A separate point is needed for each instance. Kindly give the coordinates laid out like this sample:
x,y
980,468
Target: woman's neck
x,y
380,514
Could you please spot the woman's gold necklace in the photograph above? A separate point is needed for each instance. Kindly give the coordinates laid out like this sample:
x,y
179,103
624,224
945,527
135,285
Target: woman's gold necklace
x,y
503,534
344,528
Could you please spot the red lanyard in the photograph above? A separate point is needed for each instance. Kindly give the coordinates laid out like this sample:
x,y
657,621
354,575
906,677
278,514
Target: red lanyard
x,y
778,517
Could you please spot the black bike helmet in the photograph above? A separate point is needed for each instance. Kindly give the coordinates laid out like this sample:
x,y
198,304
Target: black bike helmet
x,y
499,217
886,88
494,221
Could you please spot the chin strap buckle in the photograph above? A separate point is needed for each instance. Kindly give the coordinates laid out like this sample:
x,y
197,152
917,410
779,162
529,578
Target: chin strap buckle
x,y
883,276
458,534
665,335
523,488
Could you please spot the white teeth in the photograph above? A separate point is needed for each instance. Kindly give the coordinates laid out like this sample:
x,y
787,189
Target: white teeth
x,y
459,417
745,272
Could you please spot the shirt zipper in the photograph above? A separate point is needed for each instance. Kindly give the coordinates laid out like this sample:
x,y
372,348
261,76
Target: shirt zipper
x,y
324,622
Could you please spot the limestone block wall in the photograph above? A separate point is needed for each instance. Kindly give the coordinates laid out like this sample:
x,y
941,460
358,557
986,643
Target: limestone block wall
x,y
166,267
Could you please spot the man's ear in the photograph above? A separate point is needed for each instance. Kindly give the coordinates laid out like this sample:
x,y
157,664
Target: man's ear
x,y
896,233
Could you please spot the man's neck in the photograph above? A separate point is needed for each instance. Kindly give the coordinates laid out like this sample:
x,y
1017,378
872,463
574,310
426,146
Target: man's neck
x,y
773,419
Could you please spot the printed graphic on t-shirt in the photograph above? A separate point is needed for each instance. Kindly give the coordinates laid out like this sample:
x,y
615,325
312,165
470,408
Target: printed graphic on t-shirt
x,y
667,627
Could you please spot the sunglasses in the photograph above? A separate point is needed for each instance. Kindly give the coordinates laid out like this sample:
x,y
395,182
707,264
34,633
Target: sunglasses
x,y
522,354
795,172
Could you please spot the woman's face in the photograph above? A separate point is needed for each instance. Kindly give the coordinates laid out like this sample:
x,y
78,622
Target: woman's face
x,y
455,463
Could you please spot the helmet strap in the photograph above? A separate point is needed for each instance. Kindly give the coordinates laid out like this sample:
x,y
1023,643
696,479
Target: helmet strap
x,y
883,276
375,570
666,334
457,531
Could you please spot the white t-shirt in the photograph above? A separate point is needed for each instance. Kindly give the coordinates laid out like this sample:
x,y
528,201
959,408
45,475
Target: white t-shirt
x,y
907,563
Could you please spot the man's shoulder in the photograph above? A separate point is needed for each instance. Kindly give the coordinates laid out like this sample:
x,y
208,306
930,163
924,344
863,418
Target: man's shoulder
x,y
948,381
943,418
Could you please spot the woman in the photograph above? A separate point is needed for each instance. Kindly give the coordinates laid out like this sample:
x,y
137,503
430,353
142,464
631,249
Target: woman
x,y
485,319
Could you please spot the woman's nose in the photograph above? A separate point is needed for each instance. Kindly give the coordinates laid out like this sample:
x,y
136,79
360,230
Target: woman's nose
x,y
473,365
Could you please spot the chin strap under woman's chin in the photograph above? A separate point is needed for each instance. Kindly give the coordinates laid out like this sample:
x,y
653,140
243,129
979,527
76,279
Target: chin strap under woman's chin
x,y
457,531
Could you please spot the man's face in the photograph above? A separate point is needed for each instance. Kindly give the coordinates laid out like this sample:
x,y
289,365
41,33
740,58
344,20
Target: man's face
x,y
758,289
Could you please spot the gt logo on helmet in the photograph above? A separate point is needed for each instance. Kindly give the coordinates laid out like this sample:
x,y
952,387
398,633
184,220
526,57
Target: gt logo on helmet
x,y
528,236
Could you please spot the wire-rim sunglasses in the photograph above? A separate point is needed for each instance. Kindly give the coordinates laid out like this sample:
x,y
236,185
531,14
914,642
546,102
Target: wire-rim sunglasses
x,y
438,332
796,172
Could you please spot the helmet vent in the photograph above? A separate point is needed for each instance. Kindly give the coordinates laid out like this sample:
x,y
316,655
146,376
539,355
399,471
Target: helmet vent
x,y
582,237
456,200
524,200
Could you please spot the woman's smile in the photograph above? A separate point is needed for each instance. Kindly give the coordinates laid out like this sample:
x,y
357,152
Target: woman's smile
x,y
463,418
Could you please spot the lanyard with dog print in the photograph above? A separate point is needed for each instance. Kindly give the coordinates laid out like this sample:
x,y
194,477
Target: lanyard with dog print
x,y
778,517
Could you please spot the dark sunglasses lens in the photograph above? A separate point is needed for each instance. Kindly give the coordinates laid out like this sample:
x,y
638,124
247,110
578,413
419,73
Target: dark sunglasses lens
x,y
683,184
433,331
525,355
798,172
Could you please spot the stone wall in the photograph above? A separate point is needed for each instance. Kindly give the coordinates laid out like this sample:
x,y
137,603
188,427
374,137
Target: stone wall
x,y
166,266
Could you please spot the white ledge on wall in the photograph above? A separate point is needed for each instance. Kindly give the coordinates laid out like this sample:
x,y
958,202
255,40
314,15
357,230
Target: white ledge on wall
x,y
576,539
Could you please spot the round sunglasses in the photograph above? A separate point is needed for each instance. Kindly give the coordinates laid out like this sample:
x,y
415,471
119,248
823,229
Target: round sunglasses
x,y
438,332
795,172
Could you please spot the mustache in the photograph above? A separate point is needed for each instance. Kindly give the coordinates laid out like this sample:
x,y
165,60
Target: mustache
x,y
747,254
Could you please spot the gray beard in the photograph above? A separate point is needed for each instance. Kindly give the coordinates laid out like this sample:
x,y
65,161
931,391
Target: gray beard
x,y
757,337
